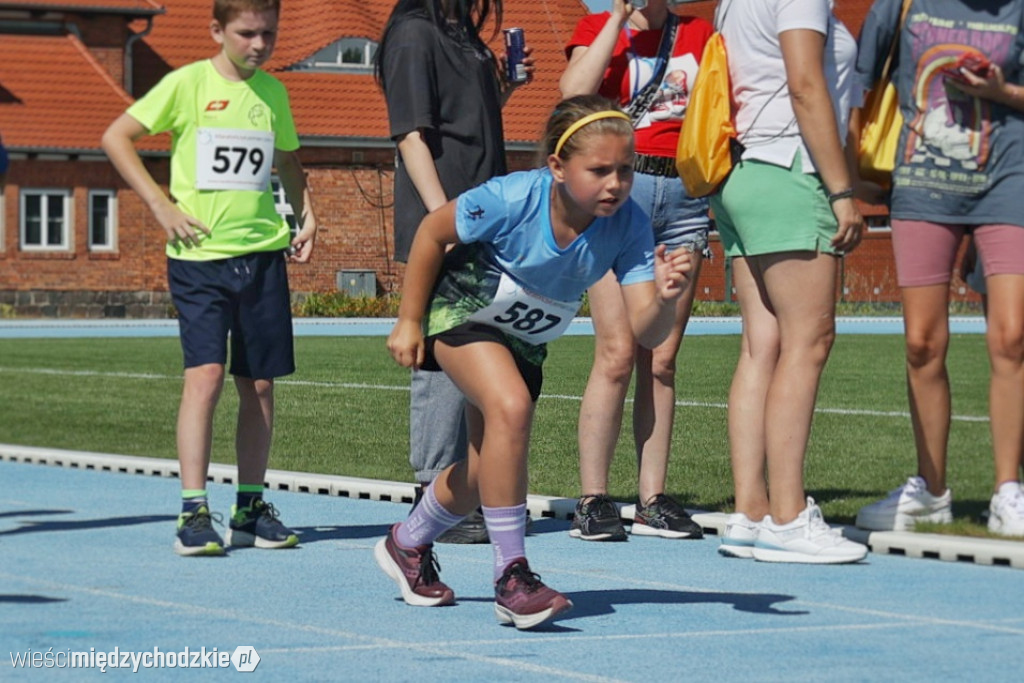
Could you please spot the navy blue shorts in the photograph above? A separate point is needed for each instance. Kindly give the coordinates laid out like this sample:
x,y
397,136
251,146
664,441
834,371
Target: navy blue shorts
x,y
245,297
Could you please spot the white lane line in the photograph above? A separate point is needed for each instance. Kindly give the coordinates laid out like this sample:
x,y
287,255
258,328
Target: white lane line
x,y
386,387
371,641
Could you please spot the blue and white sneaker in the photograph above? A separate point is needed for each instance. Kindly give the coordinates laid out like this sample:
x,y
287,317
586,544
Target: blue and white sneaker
x,y
259,526
739,537
196,535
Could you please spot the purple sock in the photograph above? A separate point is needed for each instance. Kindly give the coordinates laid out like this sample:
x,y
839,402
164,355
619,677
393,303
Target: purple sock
x,y
507,529
427,521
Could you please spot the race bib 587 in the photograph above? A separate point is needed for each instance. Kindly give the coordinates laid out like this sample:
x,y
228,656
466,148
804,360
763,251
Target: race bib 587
x,y
526,315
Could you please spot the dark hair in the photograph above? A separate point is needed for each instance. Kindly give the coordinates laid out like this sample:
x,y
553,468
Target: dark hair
x,y
470,16
571,110
226,10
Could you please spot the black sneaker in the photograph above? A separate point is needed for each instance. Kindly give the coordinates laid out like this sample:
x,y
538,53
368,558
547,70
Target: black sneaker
x,y
196,535
471,529
666,518
597,519
259,526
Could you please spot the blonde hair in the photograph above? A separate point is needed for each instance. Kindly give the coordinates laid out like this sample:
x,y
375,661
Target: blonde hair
x,y
226,10
572,110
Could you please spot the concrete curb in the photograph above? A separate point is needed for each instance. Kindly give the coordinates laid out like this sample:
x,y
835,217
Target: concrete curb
x,y
983,551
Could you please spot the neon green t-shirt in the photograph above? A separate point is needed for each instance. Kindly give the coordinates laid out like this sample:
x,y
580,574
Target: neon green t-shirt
x,y
224,134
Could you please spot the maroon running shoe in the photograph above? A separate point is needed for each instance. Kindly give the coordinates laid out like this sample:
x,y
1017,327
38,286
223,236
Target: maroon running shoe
x,y
415,570
520,598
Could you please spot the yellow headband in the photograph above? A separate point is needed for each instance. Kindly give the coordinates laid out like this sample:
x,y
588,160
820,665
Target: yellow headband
x,y
589,118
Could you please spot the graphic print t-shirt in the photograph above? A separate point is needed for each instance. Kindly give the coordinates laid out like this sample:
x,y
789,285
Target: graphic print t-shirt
x,y
633,64
960,157
224,134
504,227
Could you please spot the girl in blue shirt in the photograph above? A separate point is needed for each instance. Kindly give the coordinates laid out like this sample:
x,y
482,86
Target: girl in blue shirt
x,y
527,246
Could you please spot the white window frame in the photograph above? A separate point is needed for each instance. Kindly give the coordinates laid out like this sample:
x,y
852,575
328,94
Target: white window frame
x,y
281,205
68,219
330,57
111,242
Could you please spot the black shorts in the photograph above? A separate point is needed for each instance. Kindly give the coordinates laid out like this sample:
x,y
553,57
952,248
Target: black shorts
x,y
245,297
468,333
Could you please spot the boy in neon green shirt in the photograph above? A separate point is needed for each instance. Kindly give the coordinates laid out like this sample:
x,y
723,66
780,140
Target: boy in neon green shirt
x,y
226,249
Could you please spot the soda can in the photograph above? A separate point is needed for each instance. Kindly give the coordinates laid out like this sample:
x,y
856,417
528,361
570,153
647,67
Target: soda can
x,y
515,46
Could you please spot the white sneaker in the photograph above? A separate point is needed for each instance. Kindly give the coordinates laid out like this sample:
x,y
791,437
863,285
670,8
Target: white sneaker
x,y
740,534
807,539
1006,514
905,506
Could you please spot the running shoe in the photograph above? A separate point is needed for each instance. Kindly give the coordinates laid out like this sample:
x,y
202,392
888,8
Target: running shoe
x,y
666,518
196,535
597,519
905,506
471,529
806,540
259,526
415,570
522,599
739,537
1006,514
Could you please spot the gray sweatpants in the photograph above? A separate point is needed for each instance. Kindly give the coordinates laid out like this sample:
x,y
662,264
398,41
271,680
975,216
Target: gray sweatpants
x,y
437,424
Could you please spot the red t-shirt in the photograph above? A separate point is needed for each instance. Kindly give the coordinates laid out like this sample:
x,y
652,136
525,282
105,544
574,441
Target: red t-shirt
x,y
632,67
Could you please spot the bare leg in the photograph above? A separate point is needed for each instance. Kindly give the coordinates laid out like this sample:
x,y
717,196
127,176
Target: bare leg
x,y
1006,353
654,405
801,288
199,397
255,428
500,418
926,320
759,352
601,410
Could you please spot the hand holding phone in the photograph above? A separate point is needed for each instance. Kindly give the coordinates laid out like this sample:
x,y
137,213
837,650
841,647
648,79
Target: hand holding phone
x,y
975,62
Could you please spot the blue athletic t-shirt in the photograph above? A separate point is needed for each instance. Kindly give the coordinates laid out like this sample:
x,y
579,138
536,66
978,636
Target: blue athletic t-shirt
x,y
504,228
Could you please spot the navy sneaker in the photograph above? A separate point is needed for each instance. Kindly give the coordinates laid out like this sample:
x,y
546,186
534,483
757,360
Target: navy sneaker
x,y
259,526
666,518
597,519
196,535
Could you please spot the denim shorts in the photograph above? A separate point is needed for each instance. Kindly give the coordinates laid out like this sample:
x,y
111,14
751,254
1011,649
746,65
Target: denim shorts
x,y
678,219
245,298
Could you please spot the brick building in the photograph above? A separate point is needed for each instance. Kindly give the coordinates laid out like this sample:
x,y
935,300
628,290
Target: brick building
x,y
74,240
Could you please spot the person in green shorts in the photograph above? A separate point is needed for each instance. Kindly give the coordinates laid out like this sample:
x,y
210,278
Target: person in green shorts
x,y
227,249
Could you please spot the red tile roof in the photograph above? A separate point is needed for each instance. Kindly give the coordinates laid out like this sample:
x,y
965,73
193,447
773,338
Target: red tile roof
x,y
42,78
333,104
131,6
63,101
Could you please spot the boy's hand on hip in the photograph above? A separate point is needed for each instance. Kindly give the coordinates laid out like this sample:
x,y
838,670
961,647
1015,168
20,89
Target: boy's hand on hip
x,y
180,227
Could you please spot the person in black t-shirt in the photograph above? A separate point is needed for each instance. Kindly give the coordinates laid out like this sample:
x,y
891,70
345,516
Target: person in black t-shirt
x,y
444,91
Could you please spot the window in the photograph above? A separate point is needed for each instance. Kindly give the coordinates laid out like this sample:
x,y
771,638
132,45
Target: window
x,y
45,219
347,54
102,220
282,206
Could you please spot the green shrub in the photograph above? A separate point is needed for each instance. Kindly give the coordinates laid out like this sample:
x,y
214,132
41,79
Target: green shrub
x,y
342,305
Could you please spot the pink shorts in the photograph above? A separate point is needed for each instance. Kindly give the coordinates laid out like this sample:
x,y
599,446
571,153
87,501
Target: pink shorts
x,y
926,252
